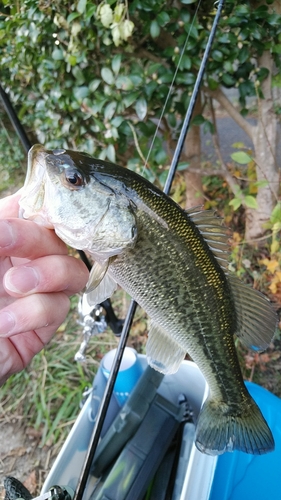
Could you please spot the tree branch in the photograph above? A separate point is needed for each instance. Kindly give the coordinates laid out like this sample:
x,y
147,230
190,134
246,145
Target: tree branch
x,y
219,96
144,54
206,171
233,184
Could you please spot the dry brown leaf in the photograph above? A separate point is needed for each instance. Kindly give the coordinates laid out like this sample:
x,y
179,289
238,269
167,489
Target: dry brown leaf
x,y
31,483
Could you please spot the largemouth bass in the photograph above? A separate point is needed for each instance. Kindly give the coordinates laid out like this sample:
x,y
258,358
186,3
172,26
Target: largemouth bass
x,y
174,264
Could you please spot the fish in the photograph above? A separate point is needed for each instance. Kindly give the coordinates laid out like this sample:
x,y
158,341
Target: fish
x,y
174,263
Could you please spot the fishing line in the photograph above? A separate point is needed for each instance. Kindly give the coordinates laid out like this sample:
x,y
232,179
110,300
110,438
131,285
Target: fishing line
x,y
188,116
170,89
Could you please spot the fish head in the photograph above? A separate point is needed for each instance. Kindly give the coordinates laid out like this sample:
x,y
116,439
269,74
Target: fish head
x,y
85,211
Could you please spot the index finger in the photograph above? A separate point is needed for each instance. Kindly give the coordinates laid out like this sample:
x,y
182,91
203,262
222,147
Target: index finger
x,y
9,206
26,239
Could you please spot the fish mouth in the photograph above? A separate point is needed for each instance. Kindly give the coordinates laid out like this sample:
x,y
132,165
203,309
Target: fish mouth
x,y
33,193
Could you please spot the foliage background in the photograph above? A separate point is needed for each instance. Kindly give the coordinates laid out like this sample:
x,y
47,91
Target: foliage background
x,y
93,75
74,86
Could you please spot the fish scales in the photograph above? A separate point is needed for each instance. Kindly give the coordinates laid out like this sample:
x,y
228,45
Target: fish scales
x,y
193,309
179,260
173,263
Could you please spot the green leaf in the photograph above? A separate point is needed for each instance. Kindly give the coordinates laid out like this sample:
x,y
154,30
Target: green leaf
x,y
72,60
228,66
78,74
213,84
262,74
241,157
116,121
186,62
72,16
136,79
57,55
154,29
261,184
81,6
81,92
250,201
193,31
188,1
163,18
198,120
238,145
124,83
276,214
172,120
161,156
116,63
276,48
242,10
141,108
109,110
235,203
228,80
110,153
150,88
94,85
243,54
154,68
185,78
208,127
107,76
91,9
217,55
183,165
274,19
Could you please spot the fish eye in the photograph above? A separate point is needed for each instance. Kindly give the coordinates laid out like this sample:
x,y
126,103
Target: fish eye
x,y
74,179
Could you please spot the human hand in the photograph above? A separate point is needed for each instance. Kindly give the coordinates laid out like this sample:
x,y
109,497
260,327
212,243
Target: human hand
x,y
36,279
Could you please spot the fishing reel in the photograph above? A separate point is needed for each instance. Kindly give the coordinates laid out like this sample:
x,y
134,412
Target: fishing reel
x,y
95,320
15,490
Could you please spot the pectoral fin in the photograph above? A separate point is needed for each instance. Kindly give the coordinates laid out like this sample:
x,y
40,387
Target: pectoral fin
x,y
100,285
256,318
163,353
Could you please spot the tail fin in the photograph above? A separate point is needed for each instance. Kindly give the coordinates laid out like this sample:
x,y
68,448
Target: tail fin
x,y
222,428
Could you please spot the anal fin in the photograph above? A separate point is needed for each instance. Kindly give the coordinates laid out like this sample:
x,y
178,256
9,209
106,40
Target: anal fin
x,y
256,318
163,353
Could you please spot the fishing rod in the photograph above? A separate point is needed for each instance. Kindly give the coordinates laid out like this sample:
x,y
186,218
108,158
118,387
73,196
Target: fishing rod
x,y
133,305
14,120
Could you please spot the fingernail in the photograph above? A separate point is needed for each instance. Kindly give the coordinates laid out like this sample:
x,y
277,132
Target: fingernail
x,y
7,323
21,279
6,234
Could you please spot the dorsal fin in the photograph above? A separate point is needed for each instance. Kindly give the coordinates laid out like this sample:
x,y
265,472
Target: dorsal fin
x,y
214,232
256,318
